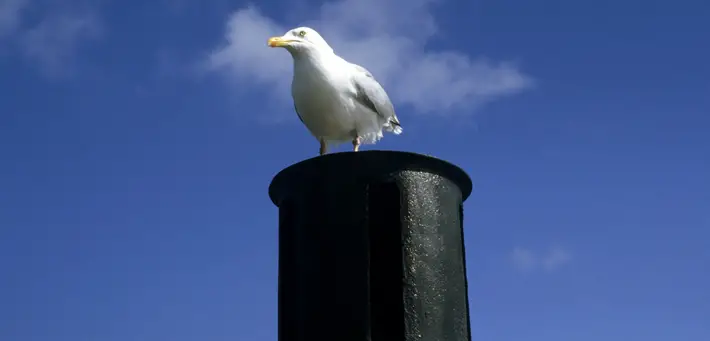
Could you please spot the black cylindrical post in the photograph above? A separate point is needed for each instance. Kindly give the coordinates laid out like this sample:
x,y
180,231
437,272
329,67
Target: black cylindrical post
x,y
371,248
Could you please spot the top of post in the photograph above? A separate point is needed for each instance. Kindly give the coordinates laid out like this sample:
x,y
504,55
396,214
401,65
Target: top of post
x,y
365,164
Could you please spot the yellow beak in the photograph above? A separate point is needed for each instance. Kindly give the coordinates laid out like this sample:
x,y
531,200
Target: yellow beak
x,y
277,42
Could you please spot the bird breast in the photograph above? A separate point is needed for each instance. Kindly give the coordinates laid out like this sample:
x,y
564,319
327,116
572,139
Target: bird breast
x,y
320,94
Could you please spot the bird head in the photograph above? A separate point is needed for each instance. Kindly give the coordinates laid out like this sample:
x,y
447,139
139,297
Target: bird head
x,y
300,39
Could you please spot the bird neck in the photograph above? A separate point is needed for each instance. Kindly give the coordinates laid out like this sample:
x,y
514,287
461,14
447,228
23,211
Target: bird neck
x,y
315,66
313,55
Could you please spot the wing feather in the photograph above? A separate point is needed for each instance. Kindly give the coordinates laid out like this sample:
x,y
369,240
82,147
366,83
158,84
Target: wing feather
x,y
370,94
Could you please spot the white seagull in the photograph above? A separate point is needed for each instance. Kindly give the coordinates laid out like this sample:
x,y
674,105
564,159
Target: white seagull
x,y
336,100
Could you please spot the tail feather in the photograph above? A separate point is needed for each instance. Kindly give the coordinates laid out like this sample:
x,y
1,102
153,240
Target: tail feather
x,y
394,126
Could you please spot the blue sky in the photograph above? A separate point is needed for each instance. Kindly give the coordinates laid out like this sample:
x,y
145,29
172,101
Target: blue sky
x,y
137,141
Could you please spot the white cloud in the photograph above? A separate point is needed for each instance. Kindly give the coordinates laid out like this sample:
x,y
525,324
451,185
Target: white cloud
x,y
53,42
524,259
555,259
50,36
10,16
527,261
387,37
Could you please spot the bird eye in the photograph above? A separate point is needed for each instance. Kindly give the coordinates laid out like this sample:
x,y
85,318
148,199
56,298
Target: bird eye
x,y
302,33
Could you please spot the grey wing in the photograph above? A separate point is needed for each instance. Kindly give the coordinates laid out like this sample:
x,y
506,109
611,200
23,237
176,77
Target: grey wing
x,y
370,94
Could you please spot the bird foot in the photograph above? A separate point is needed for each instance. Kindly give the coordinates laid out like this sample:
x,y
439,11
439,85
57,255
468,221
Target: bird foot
x,y
356,144
323,147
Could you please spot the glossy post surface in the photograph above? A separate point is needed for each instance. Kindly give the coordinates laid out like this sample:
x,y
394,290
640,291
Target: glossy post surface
x,y
371,248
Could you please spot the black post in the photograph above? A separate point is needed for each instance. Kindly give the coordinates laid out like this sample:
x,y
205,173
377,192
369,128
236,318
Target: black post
x,y
371,248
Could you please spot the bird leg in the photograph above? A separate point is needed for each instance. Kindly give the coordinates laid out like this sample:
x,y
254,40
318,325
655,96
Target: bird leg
x,y
356,144
323,147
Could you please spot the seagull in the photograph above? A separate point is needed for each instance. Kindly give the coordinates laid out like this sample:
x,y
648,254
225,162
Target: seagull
x,y
336,100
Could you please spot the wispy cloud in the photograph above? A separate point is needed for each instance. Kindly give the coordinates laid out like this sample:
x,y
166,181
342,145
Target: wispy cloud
x,y
526,260
53,42
10,15
387,37
176,6
52,38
